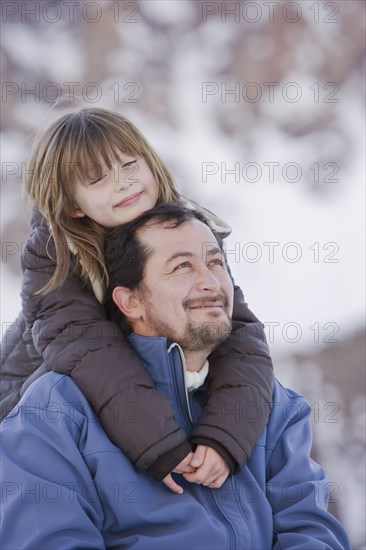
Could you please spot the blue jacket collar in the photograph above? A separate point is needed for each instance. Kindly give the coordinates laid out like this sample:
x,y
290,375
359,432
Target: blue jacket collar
x,y
164,360
158,355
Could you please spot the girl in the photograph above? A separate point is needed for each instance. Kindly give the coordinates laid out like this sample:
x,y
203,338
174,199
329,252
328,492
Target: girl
x,y
91,171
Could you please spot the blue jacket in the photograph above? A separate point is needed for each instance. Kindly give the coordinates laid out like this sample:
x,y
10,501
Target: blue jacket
x,y
65,485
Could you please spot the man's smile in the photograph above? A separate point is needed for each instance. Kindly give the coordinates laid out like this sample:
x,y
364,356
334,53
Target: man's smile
x,y
216,302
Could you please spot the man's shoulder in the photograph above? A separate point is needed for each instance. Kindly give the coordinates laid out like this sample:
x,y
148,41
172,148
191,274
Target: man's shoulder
x,y
283,394
288,407
53,384
287,400
52,392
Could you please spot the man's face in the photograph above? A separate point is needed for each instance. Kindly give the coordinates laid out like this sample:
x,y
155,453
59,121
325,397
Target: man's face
x,y
187,292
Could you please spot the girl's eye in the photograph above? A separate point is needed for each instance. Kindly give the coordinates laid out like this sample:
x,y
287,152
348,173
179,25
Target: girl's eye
x,y
128,164
97,180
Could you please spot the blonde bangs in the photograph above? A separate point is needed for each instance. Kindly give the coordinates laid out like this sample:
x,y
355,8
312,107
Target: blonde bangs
x,y
86,150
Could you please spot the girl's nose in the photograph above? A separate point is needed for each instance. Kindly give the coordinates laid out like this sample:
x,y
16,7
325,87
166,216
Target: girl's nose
x,y
123,178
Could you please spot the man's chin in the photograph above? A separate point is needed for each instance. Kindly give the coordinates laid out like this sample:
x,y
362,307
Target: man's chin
x,y
203,331
213,333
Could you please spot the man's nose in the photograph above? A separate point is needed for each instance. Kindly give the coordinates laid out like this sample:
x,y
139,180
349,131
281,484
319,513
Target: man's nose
x,y
207,280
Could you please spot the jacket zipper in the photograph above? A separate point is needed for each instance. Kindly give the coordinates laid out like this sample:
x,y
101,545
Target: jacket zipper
x,y
184,407
219,514
185,411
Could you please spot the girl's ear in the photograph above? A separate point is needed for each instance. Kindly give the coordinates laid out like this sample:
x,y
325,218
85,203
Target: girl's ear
x,y
126,300
77,214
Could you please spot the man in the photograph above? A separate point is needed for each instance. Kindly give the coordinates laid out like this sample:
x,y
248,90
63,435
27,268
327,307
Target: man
x,y
67,486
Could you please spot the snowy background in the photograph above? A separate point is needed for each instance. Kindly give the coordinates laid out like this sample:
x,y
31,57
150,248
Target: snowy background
x,y
258,109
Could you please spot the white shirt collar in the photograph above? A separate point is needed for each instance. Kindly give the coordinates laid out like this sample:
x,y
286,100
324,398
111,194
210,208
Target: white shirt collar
x,y
194,380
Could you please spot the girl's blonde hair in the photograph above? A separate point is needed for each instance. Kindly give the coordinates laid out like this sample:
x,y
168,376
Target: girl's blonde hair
x,y
64,155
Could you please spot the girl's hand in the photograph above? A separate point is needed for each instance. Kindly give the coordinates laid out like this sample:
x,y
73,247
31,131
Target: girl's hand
x,y
211,469
183,467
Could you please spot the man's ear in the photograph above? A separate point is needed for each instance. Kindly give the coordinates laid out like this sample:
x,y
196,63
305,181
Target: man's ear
x,y
77,214
127,301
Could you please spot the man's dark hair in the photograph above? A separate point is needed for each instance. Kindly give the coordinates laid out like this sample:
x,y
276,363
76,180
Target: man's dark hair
x,y
126,256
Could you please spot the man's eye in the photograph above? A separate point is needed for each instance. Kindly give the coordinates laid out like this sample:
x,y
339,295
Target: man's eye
x,y
182,266
216,261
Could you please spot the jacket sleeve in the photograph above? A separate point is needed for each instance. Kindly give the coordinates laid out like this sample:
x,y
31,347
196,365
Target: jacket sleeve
x,y
47,499
15,365
71,332
298,488
240,383
20,364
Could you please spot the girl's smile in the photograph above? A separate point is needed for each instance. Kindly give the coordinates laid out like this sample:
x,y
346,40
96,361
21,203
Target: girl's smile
x,y
129,200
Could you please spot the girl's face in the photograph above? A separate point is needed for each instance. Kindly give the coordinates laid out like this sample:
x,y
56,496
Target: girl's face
x,y
117,195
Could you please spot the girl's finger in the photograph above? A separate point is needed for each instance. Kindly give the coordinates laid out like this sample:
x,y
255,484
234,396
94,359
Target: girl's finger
x,y
172,485
199,456
218,482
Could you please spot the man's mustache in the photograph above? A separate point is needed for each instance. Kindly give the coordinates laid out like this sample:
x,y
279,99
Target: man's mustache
x,y
194,302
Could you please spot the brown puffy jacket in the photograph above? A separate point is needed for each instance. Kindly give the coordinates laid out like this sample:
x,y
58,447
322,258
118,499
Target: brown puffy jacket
x,y
68,331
